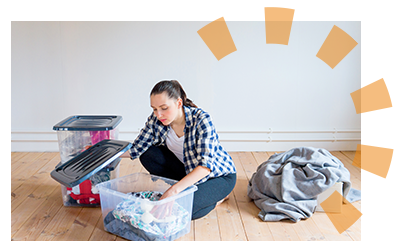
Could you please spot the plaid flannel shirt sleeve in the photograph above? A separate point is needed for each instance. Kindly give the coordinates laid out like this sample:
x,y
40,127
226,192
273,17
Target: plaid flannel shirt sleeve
x,y
144,140
205,144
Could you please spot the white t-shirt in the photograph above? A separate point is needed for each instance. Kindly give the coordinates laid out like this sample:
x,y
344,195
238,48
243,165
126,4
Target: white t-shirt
x,y
175,144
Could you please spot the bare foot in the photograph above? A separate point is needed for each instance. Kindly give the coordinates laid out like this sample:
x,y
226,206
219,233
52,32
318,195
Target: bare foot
x,y
224,199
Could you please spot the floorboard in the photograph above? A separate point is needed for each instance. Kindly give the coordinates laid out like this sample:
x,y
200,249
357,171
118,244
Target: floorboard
x,y
38,214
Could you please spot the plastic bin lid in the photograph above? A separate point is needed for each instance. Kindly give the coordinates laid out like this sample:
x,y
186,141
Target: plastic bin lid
x,y
89,123
89,162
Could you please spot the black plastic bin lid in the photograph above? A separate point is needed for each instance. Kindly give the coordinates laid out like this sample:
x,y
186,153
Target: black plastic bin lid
x,y
89,162
89,123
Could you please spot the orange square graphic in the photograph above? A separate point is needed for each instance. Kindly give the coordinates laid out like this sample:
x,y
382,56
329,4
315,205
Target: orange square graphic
x,y
375,160
348,215
336,46
356,96
278,24
217,37
357,157
278,14
371,97
277,32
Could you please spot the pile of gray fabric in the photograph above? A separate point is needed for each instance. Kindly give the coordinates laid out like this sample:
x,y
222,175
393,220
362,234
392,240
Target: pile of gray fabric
x,y
287,185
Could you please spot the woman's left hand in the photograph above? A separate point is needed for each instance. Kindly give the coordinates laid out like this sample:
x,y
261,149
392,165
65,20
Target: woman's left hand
x,y
170,192
197,174
162,211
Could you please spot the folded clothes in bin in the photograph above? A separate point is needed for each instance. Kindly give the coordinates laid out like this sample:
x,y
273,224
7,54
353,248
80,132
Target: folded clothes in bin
x,y
83,193
98,136
135,221
141,215
86,192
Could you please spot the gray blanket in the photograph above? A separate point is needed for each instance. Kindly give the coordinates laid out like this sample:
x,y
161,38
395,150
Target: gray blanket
x,y
287,185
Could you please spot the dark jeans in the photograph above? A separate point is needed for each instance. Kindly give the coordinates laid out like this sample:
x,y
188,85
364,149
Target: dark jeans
x,y
160,161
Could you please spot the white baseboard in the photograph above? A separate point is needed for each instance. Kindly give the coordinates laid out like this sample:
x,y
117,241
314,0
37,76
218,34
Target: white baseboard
x,y
231,140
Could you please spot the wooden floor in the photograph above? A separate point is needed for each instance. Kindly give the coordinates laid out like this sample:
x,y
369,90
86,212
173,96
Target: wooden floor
x,y
37,212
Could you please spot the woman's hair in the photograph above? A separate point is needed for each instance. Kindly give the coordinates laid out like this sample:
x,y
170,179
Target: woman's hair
x,y
174,90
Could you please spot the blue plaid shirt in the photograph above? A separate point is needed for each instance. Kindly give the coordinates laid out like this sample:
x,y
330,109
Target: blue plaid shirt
x,y
201,146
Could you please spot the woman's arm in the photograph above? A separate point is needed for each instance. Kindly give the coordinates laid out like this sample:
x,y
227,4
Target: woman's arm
x,y
197,174
143,141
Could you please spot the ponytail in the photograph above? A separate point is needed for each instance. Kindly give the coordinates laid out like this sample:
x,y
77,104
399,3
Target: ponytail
x,y
174,90
187,102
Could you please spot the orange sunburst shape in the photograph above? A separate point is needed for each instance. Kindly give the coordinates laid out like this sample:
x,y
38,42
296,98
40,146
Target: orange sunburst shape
x,y
217,37
336,47
371,97
278,24
344,219
375,160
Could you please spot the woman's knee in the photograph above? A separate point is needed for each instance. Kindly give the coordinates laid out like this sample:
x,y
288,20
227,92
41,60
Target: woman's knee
x,y
206,197
202,212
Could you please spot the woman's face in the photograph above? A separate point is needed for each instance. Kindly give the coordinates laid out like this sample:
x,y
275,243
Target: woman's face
x,y
165,108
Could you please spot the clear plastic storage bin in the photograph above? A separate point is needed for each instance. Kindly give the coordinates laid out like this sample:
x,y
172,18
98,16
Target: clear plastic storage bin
x,y
138,218
76,134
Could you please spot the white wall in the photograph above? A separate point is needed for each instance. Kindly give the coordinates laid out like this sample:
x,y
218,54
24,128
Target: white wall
x,y
66,68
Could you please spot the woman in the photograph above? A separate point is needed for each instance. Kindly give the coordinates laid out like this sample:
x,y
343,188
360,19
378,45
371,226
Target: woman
x,y
179,142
